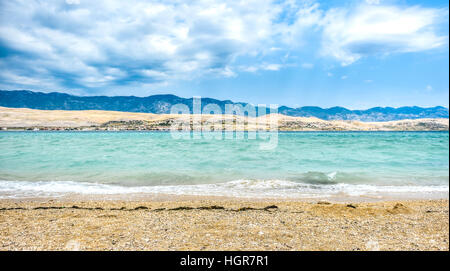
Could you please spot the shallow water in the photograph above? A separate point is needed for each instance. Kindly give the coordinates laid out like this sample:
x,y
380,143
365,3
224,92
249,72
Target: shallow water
x,y
303,164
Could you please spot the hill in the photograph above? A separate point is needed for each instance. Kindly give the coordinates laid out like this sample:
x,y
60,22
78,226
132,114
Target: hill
x,y
161,104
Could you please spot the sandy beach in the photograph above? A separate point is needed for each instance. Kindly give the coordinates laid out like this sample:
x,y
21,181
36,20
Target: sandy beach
x,y
188,223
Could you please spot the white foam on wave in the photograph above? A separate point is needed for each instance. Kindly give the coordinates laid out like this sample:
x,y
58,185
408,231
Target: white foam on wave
x,y
237,188
332,175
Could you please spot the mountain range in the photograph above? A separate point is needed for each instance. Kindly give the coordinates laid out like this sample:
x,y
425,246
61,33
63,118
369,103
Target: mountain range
x,y
161,104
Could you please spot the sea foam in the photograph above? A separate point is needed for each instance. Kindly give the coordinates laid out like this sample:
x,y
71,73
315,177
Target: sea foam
x,y
238,188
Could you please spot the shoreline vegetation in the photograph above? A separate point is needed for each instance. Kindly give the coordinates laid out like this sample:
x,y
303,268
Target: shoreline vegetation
x,y
222,224
94,120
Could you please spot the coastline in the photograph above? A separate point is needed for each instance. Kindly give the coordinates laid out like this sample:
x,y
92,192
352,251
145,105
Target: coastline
x,y
231,218
24,119
215,223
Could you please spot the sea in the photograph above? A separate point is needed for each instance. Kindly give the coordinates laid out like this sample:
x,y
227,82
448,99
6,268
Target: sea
x,y
302,165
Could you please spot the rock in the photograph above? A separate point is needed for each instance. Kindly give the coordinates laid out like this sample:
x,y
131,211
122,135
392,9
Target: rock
x,y
141,208
271,207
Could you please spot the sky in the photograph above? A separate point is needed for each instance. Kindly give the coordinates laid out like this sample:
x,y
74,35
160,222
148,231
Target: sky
x,y
356,54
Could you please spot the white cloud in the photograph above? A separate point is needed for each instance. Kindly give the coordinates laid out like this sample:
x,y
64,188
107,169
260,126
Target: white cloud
x,y
349,34
95,44
73,2
87,39
343,77
154,74
373,2
272,67
429,88
227,72
262,67
305,16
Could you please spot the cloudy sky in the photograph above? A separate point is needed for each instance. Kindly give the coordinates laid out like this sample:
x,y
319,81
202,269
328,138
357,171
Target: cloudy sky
x,y
356,54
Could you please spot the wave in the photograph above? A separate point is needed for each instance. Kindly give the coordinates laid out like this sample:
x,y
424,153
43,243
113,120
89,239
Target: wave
x,y
313,177
237,188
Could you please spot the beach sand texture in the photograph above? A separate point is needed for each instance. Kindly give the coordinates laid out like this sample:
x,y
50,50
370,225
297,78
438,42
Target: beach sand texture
x,y
215,224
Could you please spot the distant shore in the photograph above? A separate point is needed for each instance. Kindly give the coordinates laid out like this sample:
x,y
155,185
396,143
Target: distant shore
x,y
19,119
222,224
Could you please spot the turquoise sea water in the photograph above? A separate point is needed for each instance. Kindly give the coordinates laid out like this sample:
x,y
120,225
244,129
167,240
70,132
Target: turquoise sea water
x,y
304,164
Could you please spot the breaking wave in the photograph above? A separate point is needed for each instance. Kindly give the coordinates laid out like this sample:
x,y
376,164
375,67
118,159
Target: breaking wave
x,y
238,188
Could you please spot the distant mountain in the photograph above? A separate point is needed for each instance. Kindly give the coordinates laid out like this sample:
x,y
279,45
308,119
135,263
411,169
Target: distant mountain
x,y
372,114
161,104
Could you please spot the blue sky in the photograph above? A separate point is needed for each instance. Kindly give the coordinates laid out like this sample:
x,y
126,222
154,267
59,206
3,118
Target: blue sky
x,y
357,54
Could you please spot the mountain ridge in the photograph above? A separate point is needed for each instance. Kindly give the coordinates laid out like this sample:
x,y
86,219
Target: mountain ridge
x,y
161,104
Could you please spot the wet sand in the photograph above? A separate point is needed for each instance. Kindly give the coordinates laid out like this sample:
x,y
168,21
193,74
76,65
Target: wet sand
x,y
192,223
